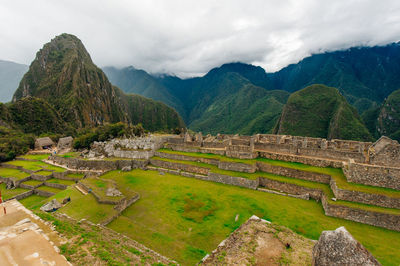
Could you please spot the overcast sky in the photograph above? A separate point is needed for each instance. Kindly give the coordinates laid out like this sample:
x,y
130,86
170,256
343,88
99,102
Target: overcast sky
x,y
189,37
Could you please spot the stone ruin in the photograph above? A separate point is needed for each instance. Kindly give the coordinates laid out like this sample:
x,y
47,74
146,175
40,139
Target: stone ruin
x,y
376,164
132,148
65,144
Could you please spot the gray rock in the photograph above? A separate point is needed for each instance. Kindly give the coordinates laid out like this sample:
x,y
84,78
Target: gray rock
x,y
51,206
340,248
126,168
113,192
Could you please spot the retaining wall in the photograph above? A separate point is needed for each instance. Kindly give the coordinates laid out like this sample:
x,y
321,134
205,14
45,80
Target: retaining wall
x,y
102,165
372,175
120,208
315,194
238,167
22,195
43,193
289,172
366,198
186,158
388,221
55,185
301,159
41,177
180,166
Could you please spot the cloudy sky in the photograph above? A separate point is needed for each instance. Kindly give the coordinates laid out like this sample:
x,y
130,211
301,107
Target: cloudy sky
x,y
188,37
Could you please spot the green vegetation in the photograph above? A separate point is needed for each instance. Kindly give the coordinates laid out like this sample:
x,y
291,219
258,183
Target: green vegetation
x,y
49,189
79,176
9,193
321,111
388,120
32,182
13,142
35,166
37,157
61,181
84,206
337,174
103,133
44,173
33,202
100,186
185,217
10,172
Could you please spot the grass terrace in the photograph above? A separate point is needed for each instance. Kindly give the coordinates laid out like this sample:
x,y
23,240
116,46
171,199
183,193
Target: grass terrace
x,y
304,183
83,206
32,182
37,157
61,181
184,218
75,176
10,172
36,166
33,202
44,173
9,193
335,173
49,189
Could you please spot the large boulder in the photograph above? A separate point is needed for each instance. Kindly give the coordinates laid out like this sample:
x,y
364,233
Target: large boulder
x,y
51,206
340,248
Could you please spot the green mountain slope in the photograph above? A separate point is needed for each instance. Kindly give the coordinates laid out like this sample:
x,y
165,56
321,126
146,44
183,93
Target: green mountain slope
x,y
137,81
64,75
10,76
321,111
250,110
388,120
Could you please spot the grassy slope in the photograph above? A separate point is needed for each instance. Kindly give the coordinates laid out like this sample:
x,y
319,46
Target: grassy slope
x,y
184,217
35,166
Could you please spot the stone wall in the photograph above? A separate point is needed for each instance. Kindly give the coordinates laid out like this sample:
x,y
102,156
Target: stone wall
x,y
302,159
29,186
186,158
102,165
41,177
180,166
372,175
232,180
55,185
43,193
238,167
121,207
315,194
366,198
385,220
294,173
22,195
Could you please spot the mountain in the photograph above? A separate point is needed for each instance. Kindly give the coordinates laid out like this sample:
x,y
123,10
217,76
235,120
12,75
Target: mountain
x,y
388,120
64,75
132,80
10,75
366,74
321,111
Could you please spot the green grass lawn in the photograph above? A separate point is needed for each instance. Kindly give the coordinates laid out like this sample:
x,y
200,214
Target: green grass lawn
x,y
337,174
44,173
72,154
35,166
9,193
61,181
37,157
75,176
33,202
10,172
49,189
32,182
100,186
290,180
184,218
83,206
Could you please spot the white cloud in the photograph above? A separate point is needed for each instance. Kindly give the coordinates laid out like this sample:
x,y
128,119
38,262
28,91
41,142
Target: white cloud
x,y
188,37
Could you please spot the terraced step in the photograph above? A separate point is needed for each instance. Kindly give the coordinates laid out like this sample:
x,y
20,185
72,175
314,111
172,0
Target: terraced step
x,y
47,191
356,211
